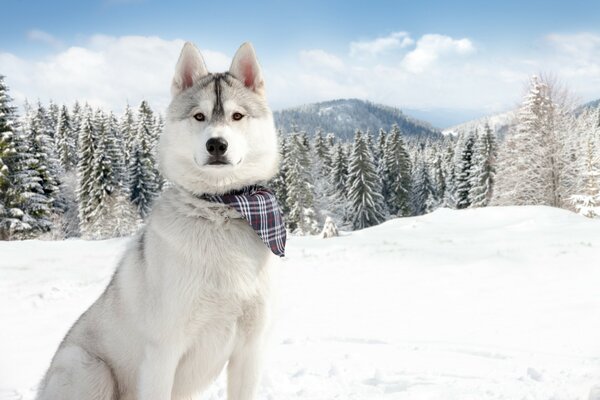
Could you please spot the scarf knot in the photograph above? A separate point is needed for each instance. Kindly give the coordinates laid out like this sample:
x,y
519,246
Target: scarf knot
x,y
257,205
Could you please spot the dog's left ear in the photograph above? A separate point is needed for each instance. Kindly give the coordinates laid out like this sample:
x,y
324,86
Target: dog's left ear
x,y
190,69
245,67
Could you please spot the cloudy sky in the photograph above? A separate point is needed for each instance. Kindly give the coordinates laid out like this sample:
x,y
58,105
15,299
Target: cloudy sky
x,y
445,61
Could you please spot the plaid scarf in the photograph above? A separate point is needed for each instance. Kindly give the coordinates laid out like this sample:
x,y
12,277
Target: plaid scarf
x,y
259,207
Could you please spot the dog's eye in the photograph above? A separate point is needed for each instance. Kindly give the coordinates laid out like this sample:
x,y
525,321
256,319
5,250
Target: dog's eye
x,y
237,116
199,117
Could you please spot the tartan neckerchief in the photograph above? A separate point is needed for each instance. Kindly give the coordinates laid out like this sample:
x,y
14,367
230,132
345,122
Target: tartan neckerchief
x,y
257,205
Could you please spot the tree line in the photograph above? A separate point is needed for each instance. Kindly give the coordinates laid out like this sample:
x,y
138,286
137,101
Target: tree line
x,y
77,171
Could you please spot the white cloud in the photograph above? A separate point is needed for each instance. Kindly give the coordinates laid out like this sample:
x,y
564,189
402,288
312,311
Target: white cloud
x,y
320,58
44,37
107,71
434,72
430,47
396,40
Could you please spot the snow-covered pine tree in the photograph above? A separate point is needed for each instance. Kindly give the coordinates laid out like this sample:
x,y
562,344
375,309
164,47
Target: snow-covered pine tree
x,y
41,142
65,143
464,171
395,172
302,218
103,182
366,204
449,167
319,149
587,197
423,192
379,152
116,149
13,220
75,121
330,141
279,181
53,116
336,188
438,178
128,132
88,143
329,229
319,158
536,167
142,164
483,170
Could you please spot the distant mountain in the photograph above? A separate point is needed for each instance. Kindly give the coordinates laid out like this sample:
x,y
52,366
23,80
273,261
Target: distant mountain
x,y
344,116
589,104
500,123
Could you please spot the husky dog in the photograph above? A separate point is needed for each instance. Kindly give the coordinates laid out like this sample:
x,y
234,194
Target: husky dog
x,y
192,292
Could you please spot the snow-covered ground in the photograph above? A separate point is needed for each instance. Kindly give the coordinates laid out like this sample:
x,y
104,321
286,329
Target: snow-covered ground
x,y
497,303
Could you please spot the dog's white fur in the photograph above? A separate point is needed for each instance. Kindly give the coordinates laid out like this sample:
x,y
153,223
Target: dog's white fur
x,y
192,292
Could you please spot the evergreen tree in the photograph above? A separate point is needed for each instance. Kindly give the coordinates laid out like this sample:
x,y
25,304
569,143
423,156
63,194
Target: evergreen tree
x,y
88,144
438,177
302,218
424,199
483,169
65,143
142,164
13,212
536,165
279,182
587,197
366,204
128,133
449,169
337,189
463,178
395,171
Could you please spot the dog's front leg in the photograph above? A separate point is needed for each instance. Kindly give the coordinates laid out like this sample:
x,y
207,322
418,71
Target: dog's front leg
x,y
244,371
157,372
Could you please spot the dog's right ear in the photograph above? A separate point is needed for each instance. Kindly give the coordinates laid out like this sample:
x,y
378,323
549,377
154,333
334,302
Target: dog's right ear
x,y
190,68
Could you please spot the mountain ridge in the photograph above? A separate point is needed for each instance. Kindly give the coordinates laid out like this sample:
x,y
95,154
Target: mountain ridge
x,y
344,116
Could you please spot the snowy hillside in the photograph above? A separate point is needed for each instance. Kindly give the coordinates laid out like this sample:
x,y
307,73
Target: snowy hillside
x,y
494,303
500,123
343,117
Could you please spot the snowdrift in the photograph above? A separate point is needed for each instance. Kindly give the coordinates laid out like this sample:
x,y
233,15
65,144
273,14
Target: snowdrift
x,y
495,303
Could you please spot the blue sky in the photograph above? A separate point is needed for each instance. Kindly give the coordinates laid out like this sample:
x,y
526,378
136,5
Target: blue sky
x,y
453,59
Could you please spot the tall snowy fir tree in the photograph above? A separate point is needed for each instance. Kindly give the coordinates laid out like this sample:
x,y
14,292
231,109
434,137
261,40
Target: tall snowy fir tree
x,y
483,169
423,194
366,205
438,177
586,199
302,218
128,132
39,138
449,169
14,220
142,163
464,171
395,170
535,167
88,143
338,177
64,139
279,181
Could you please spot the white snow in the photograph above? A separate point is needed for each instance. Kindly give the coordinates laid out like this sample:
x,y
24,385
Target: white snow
x,y
495,303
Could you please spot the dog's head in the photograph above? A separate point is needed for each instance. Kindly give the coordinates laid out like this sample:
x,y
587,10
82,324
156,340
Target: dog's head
x,y
219,133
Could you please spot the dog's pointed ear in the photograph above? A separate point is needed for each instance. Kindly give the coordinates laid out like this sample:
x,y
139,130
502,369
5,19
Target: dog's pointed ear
x,y
190,68
245,67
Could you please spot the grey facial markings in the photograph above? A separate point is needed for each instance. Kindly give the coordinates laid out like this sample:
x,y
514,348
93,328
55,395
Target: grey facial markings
x,y
218,113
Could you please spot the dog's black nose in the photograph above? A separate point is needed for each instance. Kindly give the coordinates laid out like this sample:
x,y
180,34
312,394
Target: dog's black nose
x,y
216,146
